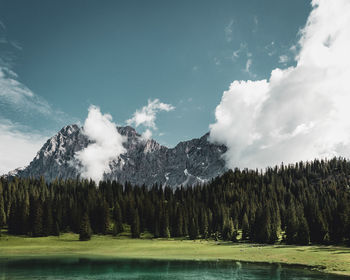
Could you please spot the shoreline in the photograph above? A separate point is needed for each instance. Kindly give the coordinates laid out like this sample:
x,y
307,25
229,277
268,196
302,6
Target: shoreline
x,y
326,259
112,258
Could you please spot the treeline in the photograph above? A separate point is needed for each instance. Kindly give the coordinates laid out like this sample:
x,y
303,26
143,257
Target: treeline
x,y
295,204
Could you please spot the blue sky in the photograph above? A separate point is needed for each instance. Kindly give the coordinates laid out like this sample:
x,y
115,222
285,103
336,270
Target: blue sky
x,y
117,55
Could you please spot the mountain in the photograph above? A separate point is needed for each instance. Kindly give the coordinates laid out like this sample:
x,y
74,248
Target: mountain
x,y
144,162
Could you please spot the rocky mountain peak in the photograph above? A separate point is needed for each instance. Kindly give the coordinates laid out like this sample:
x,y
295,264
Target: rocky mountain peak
x,y
144,162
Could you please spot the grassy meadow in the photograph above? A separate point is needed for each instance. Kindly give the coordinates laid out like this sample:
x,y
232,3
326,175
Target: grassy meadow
x,y
331,259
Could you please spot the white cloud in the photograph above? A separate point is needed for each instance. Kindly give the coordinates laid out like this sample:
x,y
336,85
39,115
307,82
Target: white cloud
x,y
283,59
107,144
17,148
256,23
242,48
15,94
2,26
248,65
217,61
270,48
255,19
229,31
301,112
147,115
147,134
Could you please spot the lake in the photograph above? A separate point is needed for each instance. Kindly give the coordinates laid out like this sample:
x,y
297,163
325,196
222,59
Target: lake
x,y
92,268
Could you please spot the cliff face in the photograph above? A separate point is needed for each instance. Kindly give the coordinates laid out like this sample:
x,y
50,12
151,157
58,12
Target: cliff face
x,y
144,162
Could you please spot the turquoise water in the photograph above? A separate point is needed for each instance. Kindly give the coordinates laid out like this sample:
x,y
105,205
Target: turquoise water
x,y
89,268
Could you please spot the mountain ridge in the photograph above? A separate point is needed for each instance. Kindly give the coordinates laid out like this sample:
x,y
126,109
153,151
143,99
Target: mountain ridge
x,y
145,161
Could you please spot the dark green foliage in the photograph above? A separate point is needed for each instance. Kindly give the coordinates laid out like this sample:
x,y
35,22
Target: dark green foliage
x,y
245,227
228,231
85,228
118,222
37,218
303,235
306,202
193,229
48,224
2,208
179,223
135,224
56,230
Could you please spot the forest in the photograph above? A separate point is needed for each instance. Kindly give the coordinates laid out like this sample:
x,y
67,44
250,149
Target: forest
x,y
304,203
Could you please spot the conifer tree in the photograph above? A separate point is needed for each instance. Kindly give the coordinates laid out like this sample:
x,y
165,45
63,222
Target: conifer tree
x,y
179,223
303,234
245,227
56,230
228,232
38,219
205,226
292,226
193,229
2,210
48,225
135,225
85,228
165,232
118,221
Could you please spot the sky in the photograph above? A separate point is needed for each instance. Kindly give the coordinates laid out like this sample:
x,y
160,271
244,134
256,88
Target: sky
x,y
163,67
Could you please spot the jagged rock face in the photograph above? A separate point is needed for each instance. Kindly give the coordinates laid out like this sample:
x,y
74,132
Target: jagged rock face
x,y
144,162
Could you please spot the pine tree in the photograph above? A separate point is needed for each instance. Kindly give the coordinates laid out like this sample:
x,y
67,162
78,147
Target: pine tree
x,y
179,223
292,226
205,226
104,218
13,226
56,230
228,232
245,227
193,229
38,219
303,234
165,232
2,208
85,228
48,225
118,221
135,225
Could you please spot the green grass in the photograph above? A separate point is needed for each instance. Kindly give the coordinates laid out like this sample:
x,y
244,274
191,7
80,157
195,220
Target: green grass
x,y
330,259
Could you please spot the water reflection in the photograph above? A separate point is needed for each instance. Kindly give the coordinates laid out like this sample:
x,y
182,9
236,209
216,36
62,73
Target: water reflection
x,y
89,268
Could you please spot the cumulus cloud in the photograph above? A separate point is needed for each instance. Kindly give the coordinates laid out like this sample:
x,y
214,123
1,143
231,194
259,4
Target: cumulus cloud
x,y
283,59
17,147
106,145
299,113
147,116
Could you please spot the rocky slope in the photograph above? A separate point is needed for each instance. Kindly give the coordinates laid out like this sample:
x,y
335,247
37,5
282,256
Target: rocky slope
x,y
145,161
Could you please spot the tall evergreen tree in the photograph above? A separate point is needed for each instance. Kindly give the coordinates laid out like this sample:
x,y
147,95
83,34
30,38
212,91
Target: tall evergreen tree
x,y
135,225
2,210
303,233
118,221
179,223
245,227
37,229
85,228
193,229
48,224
